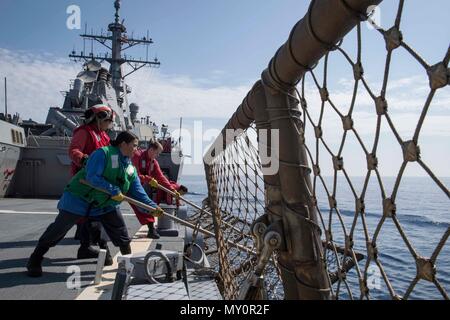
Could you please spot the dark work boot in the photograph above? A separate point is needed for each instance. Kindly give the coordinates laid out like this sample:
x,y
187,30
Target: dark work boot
x,y
108,259
34,265
87,252
152,233
125,249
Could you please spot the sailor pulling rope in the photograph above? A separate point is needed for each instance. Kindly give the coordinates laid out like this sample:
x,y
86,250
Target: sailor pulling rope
x,y
157,212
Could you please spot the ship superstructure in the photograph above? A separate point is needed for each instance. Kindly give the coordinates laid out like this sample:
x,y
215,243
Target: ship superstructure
x,y
43,168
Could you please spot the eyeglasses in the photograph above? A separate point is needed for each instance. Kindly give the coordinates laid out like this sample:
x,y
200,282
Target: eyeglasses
x,y
105,115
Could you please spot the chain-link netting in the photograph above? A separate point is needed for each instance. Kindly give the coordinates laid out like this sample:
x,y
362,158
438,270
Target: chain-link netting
x,y
340,231
372,248
240,200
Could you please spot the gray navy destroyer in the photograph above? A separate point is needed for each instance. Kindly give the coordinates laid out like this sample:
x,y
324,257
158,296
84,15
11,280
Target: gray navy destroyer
x,y
42,171
35,168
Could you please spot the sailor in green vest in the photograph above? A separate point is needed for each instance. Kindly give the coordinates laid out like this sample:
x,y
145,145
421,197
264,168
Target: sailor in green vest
x,y
108,168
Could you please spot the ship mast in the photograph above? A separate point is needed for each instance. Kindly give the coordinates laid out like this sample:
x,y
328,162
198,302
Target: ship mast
x,y
117,42
6,100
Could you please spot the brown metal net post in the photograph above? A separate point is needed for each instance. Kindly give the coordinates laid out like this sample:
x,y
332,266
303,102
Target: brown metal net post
x,y
302,264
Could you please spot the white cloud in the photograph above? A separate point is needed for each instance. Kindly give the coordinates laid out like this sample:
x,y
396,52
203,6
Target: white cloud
x,y
406,99
167,98
35,83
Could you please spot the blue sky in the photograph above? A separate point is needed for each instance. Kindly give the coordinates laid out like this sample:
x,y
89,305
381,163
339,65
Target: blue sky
x,y
197,37
212,52
194,37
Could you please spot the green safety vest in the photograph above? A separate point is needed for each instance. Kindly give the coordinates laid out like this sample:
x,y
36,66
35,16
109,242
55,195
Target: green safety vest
x,y
114,173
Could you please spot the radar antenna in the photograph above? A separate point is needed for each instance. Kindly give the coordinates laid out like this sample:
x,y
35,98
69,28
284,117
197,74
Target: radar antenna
x,y
117,41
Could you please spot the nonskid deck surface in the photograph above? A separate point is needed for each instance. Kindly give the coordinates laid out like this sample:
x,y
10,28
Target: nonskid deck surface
x,y
22,222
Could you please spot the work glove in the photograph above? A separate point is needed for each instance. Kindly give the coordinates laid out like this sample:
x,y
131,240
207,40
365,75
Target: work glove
x,y
118,197
158,212
84,160
182,190
153,183
177,195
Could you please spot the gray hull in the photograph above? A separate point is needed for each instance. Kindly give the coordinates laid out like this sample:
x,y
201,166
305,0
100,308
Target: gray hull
x,y
171,164
9,156
43,170
11,144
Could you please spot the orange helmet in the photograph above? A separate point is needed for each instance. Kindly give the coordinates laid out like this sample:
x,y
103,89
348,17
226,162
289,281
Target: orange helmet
x,y
103,111
99,111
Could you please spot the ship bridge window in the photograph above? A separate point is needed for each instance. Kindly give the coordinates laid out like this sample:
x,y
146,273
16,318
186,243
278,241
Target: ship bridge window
x,y
13,135
17,136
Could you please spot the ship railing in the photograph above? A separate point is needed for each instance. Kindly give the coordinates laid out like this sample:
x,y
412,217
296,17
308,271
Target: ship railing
x,y
32,136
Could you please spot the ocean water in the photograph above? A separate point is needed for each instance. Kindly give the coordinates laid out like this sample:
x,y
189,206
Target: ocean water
x,y
423,213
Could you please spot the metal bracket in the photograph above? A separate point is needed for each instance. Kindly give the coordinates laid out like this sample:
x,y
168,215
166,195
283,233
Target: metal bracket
x,y
439,76
372,250
393,38
347,123
318,132
358,71
316,170
332,202
363,287
411,151
426,269
328,236
338,163
389,208
258,230
303,103
313,201
348,245
372,161
272,241
381,105
253,287
324,95
360,205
